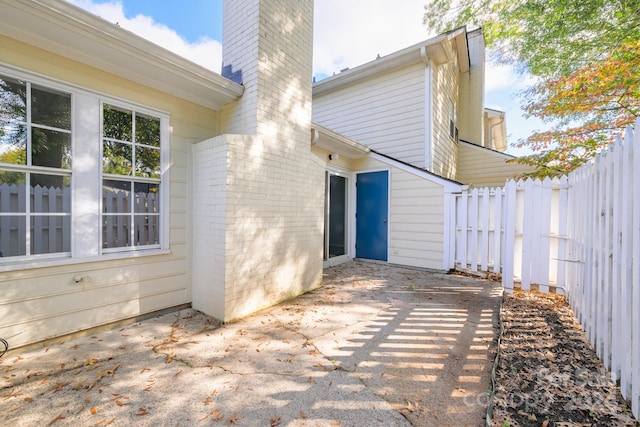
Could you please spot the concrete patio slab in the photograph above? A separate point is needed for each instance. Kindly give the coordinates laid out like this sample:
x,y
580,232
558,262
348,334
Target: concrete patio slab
x,y
376,345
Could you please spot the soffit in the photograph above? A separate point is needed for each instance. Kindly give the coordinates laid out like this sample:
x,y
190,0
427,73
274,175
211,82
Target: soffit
x,y
69,31
334,142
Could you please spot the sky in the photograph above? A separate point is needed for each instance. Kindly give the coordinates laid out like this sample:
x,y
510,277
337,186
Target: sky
x,y
347,33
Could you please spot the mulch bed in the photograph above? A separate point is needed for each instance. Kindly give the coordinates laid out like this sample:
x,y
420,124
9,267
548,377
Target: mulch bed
x,y
548,374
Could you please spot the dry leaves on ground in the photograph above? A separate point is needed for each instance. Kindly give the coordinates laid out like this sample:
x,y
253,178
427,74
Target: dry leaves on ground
x,y
548,373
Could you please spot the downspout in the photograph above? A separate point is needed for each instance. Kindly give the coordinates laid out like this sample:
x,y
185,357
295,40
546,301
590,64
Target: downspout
x,y
428,108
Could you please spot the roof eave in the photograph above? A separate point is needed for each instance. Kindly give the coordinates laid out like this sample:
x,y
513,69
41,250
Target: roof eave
x,y
66,30
437,48
335,142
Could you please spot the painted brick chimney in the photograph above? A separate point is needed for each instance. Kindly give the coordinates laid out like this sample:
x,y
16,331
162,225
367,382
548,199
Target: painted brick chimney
x,y
257,189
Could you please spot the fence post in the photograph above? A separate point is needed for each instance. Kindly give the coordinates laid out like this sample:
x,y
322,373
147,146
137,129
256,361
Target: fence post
x,y
509,235
563,217
464,232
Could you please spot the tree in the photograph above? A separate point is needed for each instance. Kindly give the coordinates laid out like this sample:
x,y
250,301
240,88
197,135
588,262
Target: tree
x,y
583,55
546,38
592,104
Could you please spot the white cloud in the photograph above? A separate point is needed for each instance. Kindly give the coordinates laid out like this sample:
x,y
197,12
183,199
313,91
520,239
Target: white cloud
x,y
351,33
502,76
206,52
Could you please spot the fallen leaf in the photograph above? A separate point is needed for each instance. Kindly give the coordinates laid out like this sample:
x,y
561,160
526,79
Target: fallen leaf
x,y
119,402
28,399
275,421
336,423
93,410
234,418
215,414
12,394
59,386
303,415
56,419
142,411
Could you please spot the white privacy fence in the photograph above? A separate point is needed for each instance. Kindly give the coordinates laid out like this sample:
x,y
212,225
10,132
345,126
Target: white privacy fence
x,y
116,227
578,235
50,223
49,226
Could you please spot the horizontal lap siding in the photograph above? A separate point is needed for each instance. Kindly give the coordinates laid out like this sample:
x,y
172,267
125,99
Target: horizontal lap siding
x,y
42,303
416,221
445,149
481,167
385,113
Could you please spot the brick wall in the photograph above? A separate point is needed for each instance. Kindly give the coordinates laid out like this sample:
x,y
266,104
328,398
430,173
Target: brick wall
x,y
272,189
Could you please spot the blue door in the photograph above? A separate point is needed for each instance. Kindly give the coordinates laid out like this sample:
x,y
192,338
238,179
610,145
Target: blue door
x,y
372,206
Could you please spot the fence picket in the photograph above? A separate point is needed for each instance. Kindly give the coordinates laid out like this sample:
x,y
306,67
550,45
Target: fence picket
x,y
484,229
607,283
616,234
464,207
543,224
562,231
497,230
635,310
472,256
509,235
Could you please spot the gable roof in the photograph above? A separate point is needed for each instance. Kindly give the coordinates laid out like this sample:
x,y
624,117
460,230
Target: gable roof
x,y
335,142
64,29
438,48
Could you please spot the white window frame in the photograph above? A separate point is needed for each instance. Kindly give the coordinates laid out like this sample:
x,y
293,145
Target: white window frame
x,y
132,178
86,177
35,169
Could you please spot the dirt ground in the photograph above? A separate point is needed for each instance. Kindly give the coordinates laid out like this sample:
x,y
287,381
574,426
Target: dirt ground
x,y
548,374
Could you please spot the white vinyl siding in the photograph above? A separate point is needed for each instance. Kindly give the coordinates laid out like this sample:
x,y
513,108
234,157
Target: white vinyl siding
x,y
385,113
445,149
416,221
482,167
45,301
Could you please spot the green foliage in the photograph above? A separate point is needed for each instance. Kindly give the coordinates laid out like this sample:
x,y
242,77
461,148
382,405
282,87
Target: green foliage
x,y
121,153
585,55
547,38
592,104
